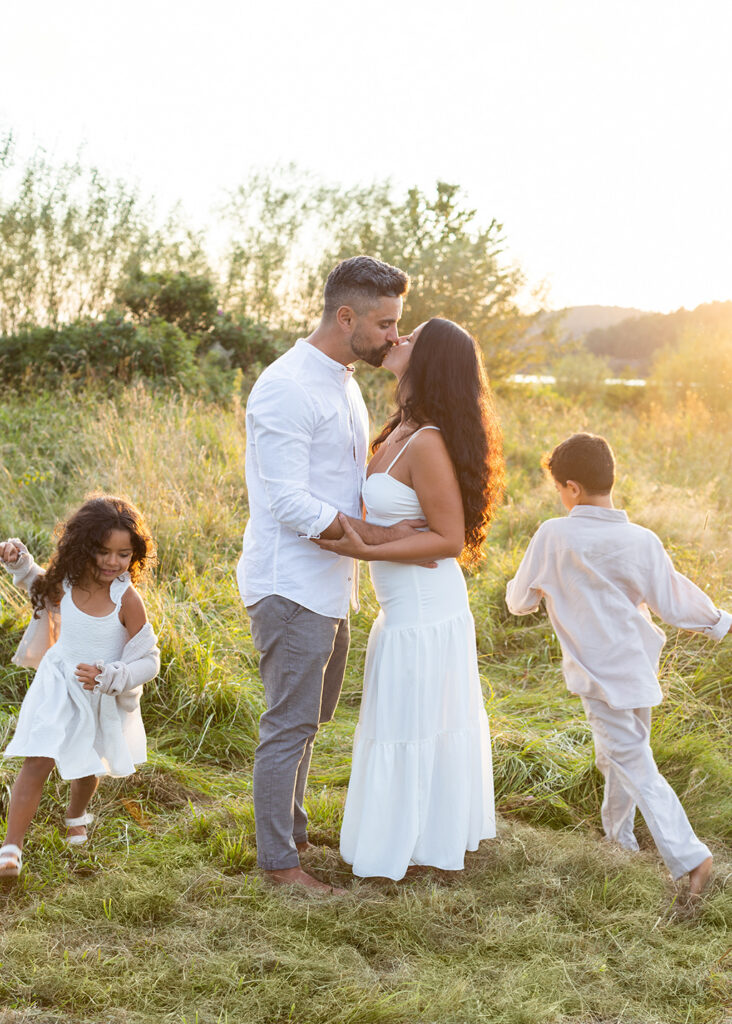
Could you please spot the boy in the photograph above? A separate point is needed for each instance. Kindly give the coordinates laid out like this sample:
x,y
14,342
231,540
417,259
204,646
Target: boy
x,y
599,575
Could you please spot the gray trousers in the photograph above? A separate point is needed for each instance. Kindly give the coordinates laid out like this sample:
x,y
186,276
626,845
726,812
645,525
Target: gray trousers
x,y
302,662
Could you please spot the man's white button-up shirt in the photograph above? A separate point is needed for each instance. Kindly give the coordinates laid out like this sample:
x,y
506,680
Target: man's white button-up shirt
x,y
307,439
599,575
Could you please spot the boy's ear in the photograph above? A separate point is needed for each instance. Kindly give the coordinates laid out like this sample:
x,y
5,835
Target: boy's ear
x,y
575,489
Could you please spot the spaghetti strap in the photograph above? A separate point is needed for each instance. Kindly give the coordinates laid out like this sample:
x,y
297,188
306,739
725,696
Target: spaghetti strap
x,y
409,441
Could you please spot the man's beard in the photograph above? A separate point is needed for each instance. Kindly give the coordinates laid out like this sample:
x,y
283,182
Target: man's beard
x,y
374,357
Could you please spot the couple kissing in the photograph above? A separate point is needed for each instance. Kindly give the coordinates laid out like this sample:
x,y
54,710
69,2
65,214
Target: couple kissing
x,y
421,787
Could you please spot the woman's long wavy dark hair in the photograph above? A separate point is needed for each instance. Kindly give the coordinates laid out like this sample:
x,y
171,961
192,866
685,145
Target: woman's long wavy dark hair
x,y
81,537
445,384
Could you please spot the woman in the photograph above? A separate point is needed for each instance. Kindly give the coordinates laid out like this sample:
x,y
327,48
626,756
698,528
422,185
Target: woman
x,y
421,788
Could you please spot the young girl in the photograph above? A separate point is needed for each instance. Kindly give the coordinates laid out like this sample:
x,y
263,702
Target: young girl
x,y
93,648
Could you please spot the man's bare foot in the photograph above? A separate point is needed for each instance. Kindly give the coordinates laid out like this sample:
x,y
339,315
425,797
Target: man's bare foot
x,y
304,846
296,876
699,877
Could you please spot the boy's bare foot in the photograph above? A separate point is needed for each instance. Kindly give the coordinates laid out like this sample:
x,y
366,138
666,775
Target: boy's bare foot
x,y
304,846
296,876
699,877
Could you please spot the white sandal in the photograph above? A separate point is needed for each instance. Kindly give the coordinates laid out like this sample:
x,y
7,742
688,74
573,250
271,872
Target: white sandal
x,y
85,819
11,861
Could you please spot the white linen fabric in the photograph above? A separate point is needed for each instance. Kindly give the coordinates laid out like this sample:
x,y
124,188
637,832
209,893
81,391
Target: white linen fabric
x,y
421,788
42,631
624,756
599,575
87,733
307,436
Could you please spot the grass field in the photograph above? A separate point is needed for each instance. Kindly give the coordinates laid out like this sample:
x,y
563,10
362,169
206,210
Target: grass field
x,y
165,918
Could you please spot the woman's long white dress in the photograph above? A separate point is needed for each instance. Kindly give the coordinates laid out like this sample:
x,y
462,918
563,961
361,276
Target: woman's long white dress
x,y
421,787
86,733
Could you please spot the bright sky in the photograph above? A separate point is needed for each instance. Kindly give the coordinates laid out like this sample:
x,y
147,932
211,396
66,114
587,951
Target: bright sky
x,y
598,133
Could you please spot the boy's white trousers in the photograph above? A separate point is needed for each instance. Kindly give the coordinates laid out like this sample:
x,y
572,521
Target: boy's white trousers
x,y
623,754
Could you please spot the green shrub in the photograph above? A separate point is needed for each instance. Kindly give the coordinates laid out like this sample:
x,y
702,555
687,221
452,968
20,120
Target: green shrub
x,y
88,350
186,300
214,363
243,342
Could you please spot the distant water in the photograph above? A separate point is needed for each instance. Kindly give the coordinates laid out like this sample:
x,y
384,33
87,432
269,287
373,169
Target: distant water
x,y
539,378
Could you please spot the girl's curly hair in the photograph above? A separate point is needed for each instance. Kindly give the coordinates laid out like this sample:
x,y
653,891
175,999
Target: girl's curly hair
x,y
445,384
81,537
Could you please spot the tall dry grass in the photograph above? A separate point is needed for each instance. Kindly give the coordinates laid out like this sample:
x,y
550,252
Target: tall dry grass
x,y
164,921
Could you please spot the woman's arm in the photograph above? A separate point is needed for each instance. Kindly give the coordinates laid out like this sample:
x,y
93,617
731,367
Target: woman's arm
x,y
370,533
432,475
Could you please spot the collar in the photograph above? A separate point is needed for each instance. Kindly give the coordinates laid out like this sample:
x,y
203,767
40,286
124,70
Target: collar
x,y
609,515
333,368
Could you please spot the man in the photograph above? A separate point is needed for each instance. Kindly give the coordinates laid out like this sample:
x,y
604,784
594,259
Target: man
x,y
307,438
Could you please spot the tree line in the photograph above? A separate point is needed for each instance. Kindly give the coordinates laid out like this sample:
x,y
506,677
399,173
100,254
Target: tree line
x,y
90,271
96,283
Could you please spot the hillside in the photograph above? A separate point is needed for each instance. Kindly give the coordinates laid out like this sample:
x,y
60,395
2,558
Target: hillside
x,y
577,321
633,344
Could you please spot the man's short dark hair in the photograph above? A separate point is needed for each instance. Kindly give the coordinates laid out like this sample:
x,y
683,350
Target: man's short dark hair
x,y
585,458
360,282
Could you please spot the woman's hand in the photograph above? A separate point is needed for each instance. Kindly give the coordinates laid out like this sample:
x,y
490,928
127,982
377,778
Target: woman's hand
x,y
350,544
9,552
87,675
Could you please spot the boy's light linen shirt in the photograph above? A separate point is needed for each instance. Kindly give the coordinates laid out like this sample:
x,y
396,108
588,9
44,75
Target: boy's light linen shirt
x,y
600,574
307,438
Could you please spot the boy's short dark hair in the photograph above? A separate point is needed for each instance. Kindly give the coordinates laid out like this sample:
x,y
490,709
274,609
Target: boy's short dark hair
x,y
585,458
360,282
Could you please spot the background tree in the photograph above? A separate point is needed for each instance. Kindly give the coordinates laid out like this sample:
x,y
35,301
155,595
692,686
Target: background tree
x,y
74,245
68,235
296,231
266,221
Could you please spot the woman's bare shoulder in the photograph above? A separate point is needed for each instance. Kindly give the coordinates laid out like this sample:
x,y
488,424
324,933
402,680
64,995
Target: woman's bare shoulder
x,y
428,441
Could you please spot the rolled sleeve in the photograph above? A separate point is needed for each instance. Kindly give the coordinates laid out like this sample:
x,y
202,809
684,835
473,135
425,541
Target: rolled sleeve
x,y
280,426
722,627
327,515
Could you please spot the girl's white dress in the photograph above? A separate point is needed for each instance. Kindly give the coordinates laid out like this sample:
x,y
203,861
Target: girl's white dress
x,y
86,733
421,787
